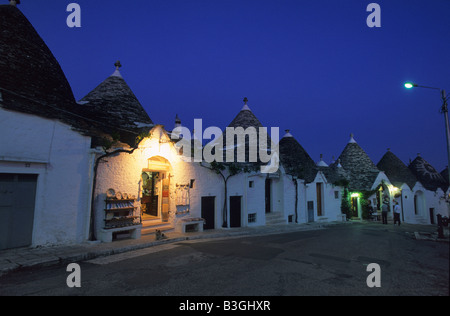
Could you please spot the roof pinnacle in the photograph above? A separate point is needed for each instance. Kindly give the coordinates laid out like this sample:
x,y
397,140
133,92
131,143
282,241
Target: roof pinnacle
x,y
245,107
116,72
288,133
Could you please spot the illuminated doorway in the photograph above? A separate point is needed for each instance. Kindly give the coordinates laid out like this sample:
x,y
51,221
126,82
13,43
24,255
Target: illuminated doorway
x,y
155,184
355,205
151,186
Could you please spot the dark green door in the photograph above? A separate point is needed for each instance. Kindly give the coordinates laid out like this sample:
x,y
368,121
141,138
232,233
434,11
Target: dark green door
x,y
17,203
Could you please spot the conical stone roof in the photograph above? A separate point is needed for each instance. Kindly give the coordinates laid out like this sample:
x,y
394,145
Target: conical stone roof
x,y
31,79
245,119
361,169
396,171
120,107
295,159
427,175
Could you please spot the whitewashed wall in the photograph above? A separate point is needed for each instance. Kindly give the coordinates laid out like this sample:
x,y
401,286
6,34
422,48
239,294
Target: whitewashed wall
x,y
122,172
61,158
207,183
407,202
330,205
253,198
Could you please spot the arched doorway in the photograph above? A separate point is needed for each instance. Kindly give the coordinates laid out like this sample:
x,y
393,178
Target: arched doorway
x,y
155,184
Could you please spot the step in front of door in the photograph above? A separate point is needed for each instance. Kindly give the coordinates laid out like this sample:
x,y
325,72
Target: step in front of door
x,y
151,226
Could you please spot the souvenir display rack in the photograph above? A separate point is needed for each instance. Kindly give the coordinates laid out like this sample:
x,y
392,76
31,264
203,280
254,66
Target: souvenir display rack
x,y
120,213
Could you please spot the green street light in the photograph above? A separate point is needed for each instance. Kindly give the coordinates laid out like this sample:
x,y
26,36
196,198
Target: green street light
x,y
444,110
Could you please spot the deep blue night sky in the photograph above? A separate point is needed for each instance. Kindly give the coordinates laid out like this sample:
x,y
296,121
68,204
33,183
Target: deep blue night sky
x,y
311,66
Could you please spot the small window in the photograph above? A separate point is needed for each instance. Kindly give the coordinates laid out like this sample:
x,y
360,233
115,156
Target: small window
x,y
192,184
252,218
251,184
336,195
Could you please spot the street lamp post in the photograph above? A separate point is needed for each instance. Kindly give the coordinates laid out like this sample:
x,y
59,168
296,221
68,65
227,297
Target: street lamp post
x,y
444,109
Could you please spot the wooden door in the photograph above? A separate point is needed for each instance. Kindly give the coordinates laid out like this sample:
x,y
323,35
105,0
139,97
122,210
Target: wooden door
x,y
319,199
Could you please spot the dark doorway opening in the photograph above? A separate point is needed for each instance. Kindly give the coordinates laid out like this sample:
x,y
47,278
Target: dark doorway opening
x,y
267,194
354,206
319,199
208,211
432,216
310,211
235,211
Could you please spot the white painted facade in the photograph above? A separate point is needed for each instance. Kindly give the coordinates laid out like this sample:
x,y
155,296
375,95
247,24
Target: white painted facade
x,y
418,205
330,201
63,161
423,205
122,172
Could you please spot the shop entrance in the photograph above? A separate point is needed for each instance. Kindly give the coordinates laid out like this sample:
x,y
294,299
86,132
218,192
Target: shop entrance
x,y
150,193
155,189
